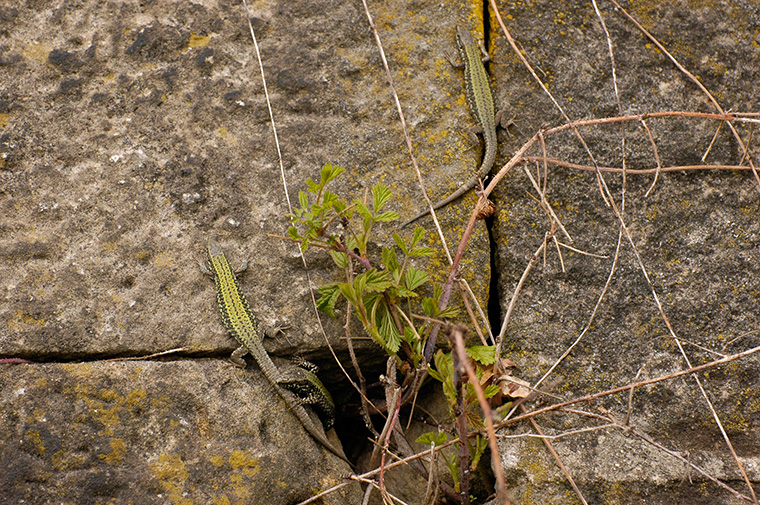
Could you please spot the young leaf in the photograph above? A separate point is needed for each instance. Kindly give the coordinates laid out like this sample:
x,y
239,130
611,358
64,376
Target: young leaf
x,y
387,216
339,258
421,252
293,233
414,278
429,307
312,186
376,280
476,452
419,232
483,354
339,206
405,293
434,438
362,209
491,390
329,172
380,196
303,199
329,294
401,244
390,260
349,292
409,335
389,333
328,198
449,313
434,374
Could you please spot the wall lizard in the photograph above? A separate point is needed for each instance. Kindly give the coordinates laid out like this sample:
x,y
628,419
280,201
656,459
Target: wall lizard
x,y
480,100
243,324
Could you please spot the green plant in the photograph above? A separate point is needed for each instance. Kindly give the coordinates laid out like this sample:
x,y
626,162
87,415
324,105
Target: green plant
x,y
388,294
383,292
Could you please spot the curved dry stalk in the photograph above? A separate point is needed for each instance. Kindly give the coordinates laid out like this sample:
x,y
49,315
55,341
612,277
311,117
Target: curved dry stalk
x,y
633,171
656,156
556,457
407,138
622,389
696,81
457,340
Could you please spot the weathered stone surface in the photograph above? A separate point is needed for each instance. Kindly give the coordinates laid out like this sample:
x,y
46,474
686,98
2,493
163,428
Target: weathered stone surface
x,y
199,431
697,233
132,131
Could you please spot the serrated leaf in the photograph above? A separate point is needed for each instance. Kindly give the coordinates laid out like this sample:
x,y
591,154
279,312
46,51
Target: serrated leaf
x,y
434,374
414,278
293,233
376,280
405,293
371,304
362,209
339,206
329,172
433,438
328,197
429,307
380,196
484,354
448,313
388,330
409,335
339,258
491,390
443,362
386,217
419,232
348,291
446,370
400,243
329,294
351,244
312,186
476,452
421,252
389,259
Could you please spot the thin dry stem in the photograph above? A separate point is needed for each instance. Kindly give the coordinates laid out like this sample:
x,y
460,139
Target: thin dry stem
x,y
407,138
656,156
696,81
457,338
556,457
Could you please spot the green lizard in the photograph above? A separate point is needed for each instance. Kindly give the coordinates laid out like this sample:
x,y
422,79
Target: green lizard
x,y
303,381
480,100
243,324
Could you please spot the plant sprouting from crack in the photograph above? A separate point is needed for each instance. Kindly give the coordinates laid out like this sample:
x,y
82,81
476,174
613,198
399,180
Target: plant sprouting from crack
x,y
386,292
383,292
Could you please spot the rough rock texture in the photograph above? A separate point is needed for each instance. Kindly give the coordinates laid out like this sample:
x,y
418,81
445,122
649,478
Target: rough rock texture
x,y
132,131
197,431
697,234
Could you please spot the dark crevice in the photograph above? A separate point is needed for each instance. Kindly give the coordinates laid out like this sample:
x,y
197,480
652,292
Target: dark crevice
x,y
494,299
92,357
486,26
